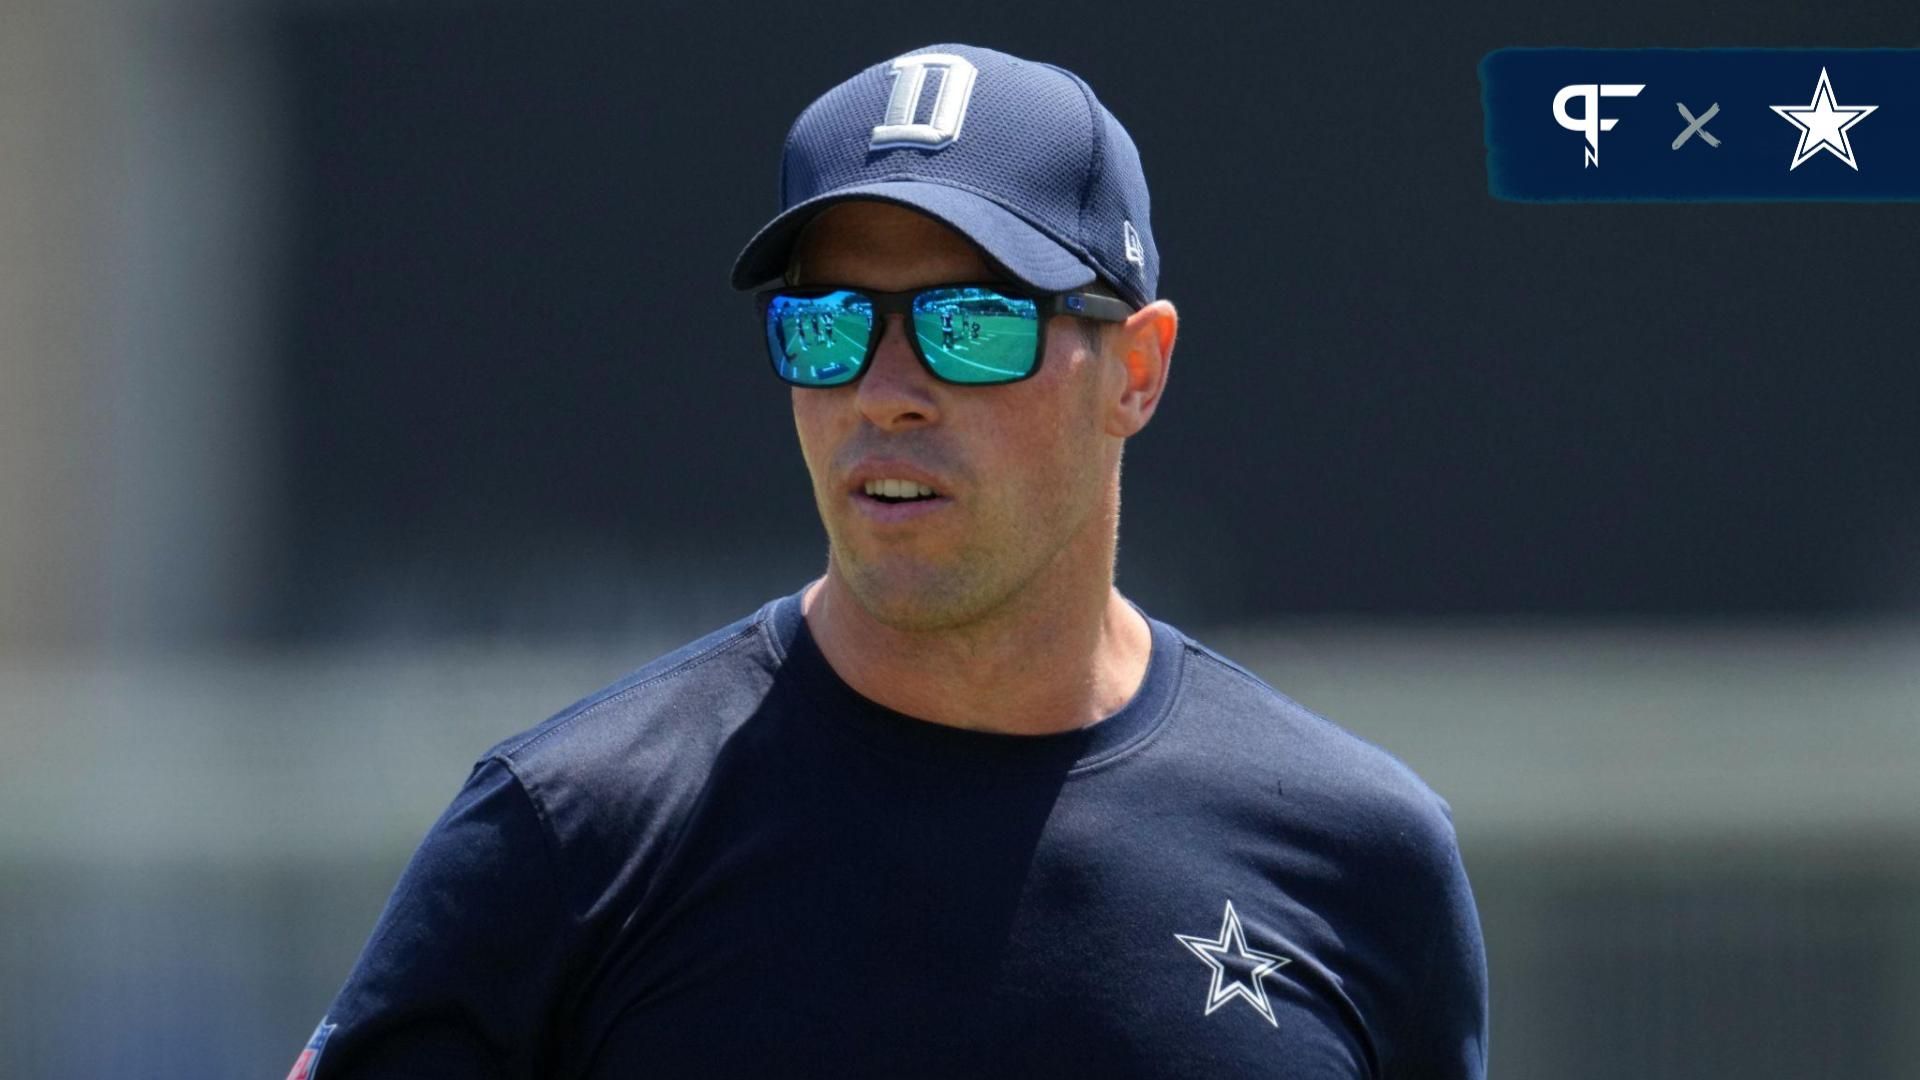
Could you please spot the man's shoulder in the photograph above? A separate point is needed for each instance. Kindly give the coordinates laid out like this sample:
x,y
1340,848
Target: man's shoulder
x,y
662,715
1323,766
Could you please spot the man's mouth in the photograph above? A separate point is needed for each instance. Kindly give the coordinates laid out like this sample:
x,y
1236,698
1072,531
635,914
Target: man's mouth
x,y
898,491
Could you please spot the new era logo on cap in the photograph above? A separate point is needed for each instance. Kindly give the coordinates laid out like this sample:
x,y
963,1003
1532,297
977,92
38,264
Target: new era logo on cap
x,y
1019,157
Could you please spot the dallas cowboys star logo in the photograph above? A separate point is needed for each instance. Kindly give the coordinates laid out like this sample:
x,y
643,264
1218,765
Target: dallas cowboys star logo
x,y
1823,125
1231,948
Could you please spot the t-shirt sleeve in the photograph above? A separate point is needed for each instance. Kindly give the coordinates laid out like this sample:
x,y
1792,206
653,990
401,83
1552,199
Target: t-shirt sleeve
x,y
1445,1037
462,973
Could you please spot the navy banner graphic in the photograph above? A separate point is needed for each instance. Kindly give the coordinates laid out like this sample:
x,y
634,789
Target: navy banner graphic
x,y
1721,125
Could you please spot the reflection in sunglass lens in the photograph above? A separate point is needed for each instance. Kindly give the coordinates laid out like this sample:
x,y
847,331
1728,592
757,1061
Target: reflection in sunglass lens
x,y
975,335
818,339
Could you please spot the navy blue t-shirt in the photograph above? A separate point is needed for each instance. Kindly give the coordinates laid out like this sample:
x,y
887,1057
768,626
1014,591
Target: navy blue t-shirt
x,y
730,863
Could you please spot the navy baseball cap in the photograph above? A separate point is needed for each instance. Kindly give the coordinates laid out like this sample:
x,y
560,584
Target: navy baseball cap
x,y
1017,156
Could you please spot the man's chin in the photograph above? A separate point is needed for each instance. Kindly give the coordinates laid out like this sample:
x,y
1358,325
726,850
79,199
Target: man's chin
x,y
912,596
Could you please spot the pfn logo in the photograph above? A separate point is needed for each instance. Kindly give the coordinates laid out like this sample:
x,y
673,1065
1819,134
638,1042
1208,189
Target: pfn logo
x,y
1590,122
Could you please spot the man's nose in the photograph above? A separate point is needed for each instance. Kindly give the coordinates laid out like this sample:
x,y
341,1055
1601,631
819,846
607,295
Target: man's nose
x,y
897,392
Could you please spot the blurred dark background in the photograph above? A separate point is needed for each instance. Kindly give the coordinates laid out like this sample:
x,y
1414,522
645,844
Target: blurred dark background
x,y
509,352
370,387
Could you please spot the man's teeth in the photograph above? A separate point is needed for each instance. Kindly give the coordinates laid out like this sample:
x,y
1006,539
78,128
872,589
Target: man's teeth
x,y
898,489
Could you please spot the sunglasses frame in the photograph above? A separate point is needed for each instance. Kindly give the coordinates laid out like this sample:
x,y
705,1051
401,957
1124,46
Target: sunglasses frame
x,y
1082,305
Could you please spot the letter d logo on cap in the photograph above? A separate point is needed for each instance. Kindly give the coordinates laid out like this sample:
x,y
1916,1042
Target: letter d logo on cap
x,y
949,105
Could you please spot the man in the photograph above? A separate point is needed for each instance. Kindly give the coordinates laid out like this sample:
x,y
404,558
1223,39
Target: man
x,y
957,808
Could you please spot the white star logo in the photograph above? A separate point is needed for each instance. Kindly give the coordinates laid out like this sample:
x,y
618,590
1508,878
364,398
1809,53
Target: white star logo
x,y
1232,944
1823,125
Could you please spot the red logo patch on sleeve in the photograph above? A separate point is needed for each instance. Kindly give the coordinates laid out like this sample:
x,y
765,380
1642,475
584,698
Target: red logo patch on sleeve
x,y
310,1057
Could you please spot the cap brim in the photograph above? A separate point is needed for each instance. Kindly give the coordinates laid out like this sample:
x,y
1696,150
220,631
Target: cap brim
x,y
1028,255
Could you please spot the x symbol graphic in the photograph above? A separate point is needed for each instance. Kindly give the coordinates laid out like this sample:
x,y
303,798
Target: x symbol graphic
x,y
1694,125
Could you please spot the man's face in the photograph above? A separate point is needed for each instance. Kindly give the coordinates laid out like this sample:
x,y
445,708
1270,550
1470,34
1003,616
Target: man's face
x,y
1020,471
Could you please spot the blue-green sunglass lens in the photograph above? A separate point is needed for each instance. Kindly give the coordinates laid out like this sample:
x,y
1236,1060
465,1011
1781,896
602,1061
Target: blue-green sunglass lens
x,y
975,335
818,339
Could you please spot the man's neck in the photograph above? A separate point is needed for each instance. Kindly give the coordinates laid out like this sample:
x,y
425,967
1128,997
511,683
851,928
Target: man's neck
x,y
1030,669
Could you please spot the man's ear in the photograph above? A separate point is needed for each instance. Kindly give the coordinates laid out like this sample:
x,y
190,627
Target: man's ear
x,y
1143,346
